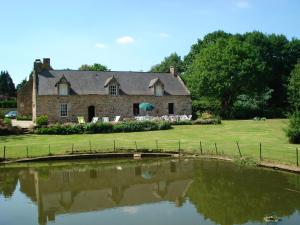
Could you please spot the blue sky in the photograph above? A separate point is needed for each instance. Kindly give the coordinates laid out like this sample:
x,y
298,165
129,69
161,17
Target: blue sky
x,y
129,34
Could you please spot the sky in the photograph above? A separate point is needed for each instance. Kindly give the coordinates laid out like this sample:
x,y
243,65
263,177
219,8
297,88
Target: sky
x,y
126,35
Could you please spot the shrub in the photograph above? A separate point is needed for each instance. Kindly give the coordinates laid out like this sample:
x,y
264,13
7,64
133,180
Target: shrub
x,y
6,129
182,122
216,120
8,104
127,126
7,121
24,117
42,121
206,104
2,115
293,130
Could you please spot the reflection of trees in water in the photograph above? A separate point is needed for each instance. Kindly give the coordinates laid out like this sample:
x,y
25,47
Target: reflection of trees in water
x,y
227,194
8,182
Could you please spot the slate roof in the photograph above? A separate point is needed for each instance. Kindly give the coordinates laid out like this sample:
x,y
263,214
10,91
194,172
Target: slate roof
x,y
92,82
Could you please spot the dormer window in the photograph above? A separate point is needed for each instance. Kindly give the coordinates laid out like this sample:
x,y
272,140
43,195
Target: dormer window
x,y
63,86
157,87
158,90
63,89
113,90
112,86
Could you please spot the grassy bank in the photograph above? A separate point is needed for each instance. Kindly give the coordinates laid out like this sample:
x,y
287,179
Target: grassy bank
x,y
248,133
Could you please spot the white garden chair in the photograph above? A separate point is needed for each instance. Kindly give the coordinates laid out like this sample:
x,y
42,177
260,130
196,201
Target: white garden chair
x,y
105,119
95,119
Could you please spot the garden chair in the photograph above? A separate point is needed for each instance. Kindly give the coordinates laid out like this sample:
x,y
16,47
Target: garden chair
x,y
105,119
117,119
81,120
95,120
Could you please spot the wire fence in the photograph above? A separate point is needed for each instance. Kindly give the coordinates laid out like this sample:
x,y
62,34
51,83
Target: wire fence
x,y
284,153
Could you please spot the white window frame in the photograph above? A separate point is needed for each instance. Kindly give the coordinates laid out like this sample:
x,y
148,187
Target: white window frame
x,y
156,92
113,90
63,111
65,89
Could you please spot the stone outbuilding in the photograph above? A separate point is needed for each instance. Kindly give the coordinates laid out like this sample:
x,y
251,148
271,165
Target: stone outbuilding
x,y
63,95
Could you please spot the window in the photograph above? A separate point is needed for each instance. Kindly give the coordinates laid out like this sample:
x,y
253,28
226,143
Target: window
x,y
158,90
171,108
113,90
136,109
63,89
64,110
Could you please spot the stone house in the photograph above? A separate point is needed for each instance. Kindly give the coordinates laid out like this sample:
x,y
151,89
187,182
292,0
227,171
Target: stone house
x,y
63,95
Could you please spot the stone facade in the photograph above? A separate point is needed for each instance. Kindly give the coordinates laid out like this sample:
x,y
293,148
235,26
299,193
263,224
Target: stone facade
x,y
99,105
108,106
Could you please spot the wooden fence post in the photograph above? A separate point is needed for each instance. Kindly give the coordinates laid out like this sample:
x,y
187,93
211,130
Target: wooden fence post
x,y
49,149
72,148
297,156
4,152
179,149
136,148
216,148
27,155
90,146
114,145
156,143
238,146
201,150
260,151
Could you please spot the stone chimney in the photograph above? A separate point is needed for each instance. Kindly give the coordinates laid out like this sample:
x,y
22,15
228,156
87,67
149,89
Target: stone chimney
x,y
46,64
38,65
173,71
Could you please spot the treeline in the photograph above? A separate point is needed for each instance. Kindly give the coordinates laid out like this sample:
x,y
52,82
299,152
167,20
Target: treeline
x,y
238,75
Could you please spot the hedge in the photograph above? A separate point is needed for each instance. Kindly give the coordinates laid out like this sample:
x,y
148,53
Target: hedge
x,y
8,104
128,126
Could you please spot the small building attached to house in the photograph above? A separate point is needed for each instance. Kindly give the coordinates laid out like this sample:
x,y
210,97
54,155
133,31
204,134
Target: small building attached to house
x,y
64,95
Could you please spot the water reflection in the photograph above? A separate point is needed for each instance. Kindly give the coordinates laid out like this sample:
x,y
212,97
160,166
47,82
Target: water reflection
x,y
221,193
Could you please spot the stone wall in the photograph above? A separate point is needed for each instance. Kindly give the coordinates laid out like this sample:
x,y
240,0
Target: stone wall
x,y
24,100
110,106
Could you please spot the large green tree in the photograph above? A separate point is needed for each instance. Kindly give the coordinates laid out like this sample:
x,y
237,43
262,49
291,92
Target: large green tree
x,y
7,86
94,67
294,88
225,69
171,60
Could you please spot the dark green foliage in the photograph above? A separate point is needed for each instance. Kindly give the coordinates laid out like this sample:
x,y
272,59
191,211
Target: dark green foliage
x,y
172,60
7,129
24,118
128,126
8,104
7,86
293,130
182,122
7,121
206,104
94,67
42,121
216,120
294,88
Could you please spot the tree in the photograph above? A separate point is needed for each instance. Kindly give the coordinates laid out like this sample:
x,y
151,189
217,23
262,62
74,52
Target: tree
x,y
294,88
171,60
224,70
7,86
94,67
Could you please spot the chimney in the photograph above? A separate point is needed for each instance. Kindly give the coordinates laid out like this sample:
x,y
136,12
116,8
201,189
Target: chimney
x,y
46,64
37,66
173,71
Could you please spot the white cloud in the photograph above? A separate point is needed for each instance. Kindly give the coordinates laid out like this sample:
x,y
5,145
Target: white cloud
x,y
164,35
125,40
130,210
100,45
243,4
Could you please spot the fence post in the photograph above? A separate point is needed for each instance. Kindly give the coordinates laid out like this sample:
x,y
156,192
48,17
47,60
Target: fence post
x,y
297,156
179,149
72,148
260,151
201,150
27,152
216,148
114,145
156,143
90,146
136,148
4,152
238,146
49,149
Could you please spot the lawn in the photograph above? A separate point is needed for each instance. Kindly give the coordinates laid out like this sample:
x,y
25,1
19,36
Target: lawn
x,y
248,133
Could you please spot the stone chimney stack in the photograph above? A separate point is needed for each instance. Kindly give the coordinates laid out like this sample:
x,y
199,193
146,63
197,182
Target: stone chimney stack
x,y
38,66
46,64
173,71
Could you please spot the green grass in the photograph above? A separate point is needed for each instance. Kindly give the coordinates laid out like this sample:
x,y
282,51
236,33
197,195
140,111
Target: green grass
x,y
248,133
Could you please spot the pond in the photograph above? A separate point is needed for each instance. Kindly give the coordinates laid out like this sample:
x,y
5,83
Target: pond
x,y
148,192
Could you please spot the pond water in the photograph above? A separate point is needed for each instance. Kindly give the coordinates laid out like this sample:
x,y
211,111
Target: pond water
x,y
148,192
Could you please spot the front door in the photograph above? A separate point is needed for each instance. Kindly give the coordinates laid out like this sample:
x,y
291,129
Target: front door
x,y
91,113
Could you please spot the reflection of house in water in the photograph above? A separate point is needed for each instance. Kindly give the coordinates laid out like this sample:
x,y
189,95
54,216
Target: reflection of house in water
x,y
75,190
